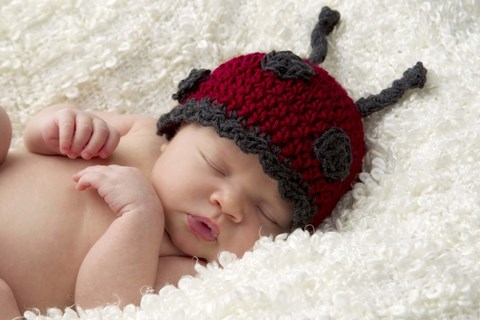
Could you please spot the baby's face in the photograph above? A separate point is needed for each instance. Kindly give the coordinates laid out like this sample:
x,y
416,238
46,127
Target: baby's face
x,y
215,197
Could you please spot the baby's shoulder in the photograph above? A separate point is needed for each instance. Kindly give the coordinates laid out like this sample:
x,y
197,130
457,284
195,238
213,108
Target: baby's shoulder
x,y
139,144
142,129
142,124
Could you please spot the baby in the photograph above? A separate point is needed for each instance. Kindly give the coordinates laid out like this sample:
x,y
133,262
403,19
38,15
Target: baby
x,y
60,246
264,144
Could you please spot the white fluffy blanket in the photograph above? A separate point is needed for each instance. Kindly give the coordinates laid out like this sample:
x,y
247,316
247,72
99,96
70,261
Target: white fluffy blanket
x,y
404,244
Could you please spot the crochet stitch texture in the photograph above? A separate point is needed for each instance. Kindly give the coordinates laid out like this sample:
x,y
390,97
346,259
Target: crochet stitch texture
x,y
304,127
301,123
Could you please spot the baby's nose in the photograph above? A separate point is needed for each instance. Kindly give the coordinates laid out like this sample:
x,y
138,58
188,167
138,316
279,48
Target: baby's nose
x,y
231,202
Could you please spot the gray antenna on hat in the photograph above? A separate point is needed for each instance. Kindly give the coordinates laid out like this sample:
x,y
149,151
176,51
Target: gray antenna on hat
x,y
414,77
327,19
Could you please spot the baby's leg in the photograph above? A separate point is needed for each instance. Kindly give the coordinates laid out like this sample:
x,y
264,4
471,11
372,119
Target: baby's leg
x,y
8,305
5,134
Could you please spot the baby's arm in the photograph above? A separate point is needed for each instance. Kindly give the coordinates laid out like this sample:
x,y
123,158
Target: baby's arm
x,y
125,259
70,131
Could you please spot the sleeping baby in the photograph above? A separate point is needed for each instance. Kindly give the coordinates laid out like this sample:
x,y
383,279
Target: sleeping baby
x,y
99,207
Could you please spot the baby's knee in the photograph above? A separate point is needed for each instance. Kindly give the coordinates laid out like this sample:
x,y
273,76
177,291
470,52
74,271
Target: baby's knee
x,y
5,134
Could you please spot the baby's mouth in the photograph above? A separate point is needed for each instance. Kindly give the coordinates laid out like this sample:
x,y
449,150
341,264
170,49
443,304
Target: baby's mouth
x,y
203,227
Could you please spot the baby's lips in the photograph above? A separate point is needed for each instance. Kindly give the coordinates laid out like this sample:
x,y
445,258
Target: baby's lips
x,y
203,227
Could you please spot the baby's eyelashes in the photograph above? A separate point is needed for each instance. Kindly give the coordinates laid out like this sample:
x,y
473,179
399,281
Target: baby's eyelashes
x,y
215,167
267,215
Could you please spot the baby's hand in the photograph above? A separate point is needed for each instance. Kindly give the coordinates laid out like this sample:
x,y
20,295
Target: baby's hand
x,y
76,133
124,189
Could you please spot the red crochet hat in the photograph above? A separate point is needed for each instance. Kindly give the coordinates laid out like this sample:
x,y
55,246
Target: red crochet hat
x,y
298,119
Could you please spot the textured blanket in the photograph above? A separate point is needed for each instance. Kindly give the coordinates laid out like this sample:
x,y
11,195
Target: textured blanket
x,y
405,243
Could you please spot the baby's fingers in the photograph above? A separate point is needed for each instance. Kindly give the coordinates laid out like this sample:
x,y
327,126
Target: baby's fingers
x,y
65,122
82,181
89,177
83,131
103,141
110,145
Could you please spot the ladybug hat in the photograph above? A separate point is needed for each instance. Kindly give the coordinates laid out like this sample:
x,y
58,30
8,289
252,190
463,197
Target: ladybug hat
x,y
305,129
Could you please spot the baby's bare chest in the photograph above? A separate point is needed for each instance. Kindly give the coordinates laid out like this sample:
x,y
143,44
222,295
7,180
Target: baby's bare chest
x,y
39,196
46,227
34,187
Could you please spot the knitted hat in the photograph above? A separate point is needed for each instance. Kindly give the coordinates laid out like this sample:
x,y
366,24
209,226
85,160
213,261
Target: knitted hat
x,y
298,119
